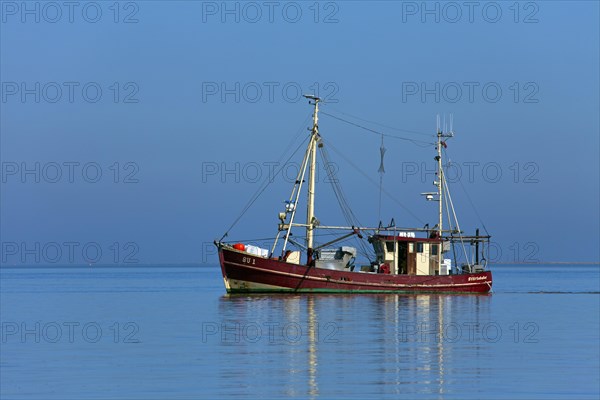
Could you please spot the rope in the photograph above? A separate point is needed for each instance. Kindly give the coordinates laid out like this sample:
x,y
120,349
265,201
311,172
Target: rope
x,y
455,218
349,215
339,153
268,179
414,141
450,224
382,125
470,201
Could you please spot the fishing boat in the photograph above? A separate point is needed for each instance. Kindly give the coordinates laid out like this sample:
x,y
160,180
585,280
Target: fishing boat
x,y
406,259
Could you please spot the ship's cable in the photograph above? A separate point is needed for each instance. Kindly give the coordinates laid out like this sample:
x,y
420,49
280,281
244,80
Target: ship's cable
x,y
382,125
469,198
338,191
269,179
374,183
421,143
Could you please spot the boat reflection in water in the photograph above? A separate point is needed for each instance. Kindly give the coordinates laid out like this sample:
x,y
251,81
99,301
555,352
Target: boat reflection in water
x,y
340,345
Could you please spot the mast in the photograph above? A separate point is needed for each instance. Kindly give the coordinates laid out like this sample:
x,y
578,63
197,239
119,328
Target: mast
x,y
440,182
440,188
310,207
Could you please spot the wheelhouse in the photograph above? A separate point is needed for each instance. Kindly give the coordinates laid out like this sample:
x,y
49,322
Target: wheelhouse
x,y
405,254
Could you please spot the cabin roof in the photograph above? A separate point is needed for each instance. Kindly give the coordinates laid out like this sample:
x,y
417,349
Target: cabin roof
x,y
392,238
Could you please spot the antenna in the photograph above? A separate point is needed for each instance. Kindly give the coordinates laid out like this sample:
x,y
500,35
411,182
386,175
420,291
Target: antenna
x,y
316,99
438,123
445,128
451,124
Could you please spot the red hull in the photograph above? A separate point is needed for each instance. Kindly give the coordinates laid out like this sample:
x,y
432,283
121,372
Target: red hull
x,y
247,273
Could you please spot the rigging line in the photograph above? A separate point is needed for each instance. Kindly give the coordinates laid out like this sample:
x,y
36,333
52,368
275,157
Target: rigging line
x,y
336,183
375,183
351,219
268,179
469,198
349,215
450,225
258,193
414,141
367,254
381,171
382,125
380,189
337,190
455,218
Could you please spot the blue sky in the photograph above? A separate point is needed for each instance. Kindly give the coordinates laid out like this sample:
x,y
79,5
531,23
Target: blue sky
x,y
190,91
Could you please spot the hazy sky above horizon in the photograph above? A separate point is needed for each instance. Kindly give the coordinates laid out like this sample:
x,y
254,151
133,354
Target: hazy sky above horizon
x,y
140,129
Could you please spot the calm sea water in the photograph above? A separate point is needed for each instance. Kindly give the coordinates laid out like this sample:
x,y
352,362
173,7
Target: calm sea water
x,y
146,333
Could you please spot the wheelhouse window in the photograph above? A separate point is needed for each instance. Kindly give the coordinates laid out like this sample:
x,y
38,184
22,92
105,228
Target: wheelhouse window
x,y
419,247
378,247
